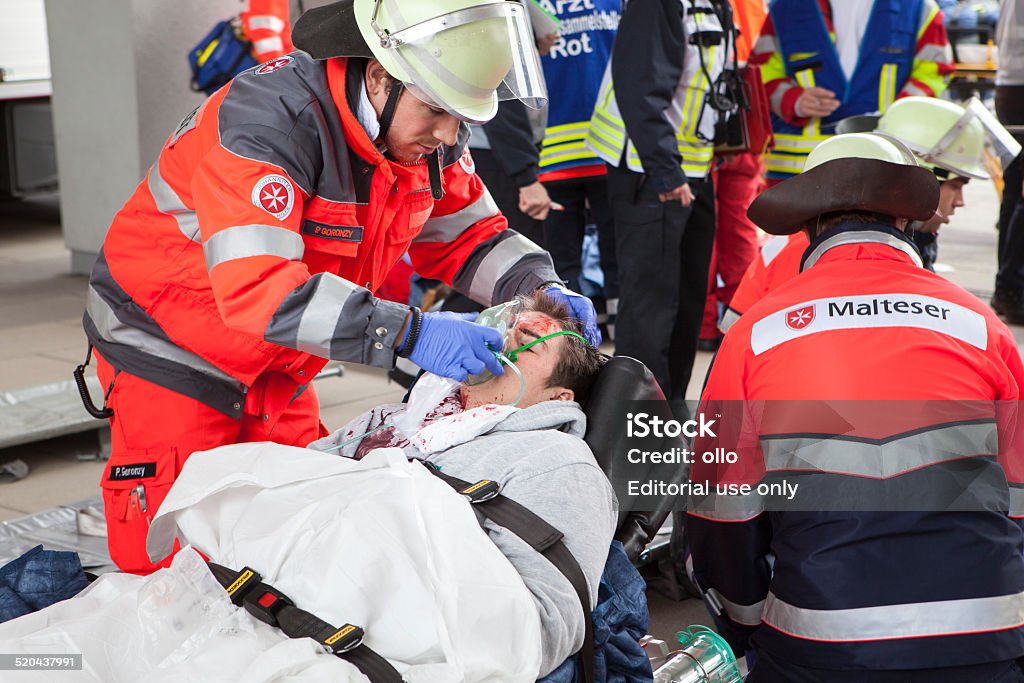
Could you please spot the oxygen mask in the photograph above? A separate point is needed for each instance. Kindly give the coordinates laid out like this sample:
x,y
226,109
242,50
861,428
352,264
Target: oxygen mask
x,y
503,318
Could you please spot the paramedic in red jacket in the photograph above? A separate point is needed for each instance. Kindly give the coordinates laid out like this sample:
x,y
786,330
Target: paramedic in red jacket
x,y
250,253
899,558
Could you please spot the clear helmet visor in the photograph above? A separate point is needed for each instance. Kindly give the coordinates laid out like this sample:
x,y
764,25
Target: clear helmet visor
x,y
1003,145
467,60
954,152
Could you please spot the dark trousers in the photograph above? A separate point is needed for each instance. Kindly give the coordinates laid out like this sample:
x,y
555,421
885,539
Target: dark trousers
x,y
506,196
1010,108
663,252
563,230
767,669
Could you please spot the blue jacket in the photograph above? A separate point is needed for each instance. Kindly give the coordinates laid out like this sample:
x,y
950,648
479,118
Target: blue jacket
x,y
620,620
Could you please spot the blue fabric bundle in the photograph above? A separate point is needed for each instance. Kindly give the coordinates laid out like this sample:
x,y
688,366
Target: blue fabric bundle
x,y
38,579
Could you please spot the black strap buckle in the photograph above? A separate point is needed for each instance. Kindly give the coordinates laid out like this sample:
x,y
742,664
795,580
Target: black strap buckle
x,y
264,602
346,638
246,580
483,490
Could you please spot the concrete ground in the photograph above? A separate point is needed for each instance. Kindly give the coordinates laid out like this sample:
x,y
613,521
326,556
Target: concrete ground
x,y
41,341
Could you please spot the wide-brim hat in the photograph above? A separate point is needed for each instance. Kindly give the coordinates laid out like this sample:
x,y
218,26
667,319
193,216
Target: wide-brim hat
x,y
330,31
847,184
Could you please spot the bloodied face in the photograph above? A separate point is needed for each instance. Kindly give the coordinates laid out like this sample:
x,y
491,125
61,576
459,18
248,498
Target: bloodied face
x,y
536,365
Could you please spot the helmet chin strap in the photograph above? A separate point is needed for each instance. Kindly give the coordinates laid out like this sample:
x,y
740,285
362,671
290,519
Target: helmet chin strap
x,y
387,116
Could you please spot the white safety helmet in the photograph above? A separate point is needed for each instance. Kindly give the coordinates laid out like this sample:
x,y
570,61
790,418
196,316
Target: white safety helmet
x,y
860,146
939,133
460,55
850,172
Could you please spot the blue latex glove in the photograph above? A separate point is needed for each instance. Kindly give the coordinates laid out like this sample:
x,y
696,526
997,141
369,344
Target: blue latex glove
x,y
452,345
581,307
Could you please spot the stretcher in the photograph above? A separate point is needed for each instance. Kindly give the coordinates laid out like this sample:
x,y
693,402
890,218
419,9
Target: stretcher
x,y
622,380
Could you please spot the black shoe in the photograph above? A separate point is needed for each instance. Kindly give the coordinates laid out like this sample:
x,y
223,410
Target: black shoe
x,y
1009,303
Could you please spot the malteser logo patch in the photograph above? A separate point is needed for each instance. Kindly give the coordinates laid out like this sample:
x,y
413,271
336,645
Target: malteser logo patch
x,y
799,318
142,470
861,312
274,194
341,233
273,65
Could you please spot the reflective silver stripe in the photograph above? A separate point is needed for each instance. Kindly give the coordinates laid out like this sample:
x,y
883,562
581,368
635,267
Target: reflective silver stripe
x,y
887,622
267,21
773,248
750,615
112,329
780,92
448,228
1016,501
880,460
784,163
498,262
912,89
168,202
268,44
862,236
726,508
320,318
242,241
765,43
797,144
566,151
933,53
729,319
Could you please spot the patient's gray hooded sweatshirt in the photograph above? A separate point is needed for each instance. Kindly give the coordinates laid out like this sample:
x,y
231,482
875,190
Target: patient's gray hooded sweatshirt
x,y
539,458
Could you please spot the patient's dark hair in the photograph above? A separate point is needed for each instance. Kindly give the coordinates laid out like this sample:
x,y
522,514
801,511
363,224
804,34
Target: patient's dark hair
x,y
580,362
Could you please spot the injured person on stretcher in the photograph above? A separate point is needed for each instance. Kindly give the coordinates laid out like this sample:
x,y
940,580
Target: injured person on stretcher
x,y
372,538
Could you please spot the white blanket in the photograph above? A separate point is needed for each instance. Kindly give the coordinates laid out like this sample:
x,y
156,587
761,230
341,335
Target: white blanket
x,y
380,543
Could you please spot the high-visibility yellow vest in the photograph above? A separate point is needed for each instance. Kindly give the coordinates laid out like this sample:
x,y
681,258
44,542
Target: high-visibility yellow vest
x,y
807,52
694,123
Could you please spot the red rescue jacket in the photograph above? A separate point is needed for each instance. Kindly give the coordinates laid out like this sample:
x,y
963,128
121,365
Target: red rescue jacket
x,y
889,396
257,238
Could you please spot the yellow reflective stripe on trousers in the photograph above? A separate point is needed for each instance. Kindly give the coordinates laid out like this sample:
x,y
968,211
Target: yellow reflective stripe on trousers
x,y
887,87
891,622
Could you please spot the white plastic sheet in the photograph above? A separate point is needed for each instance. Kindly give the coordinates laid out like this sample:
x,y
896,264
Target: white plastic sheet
x,y
176,625
380,543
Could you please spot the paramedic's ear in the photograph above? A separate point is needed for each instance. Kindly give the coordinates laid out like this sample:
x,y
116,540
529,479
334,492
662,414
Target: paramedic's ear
x,y
377,80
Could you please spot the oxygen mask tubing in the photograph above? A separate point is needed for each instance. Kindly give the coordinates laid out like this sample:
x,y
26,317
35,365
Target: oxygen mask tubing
x,y
504,318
